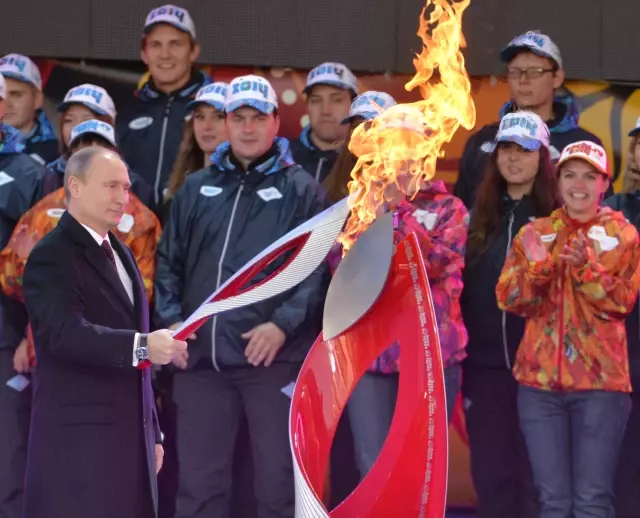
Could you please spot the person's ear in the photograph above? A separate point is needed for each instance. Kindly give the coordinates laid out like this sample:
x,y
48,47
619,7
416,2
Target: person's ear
x,y
195,52
558,78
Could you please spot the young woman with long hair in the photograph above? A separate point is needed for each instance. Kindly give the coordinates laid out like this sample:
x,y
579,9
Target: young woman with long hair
x,y
203,132
518,185
574,276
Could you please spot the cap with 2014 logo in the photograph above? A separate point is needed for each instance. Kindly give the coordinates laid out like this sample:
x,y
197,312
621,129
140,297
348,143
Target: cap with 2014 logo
x,y
534,41
588,151
173,15
526,129
214,95
253,92
332,74
94,127
93,97
21,68
368,105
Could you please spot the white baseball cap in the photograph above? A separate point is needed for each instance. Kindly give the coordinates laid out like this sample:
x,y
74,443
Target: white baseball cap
x,y
588,151
526,129
534,41
3,87
93,97
21,68
368,105
94,127
213,94
332,74
178,17
252,91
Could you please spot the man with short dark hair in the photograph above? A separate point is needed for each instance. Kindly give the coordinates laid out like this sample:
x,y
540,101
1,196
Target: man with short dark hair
x,y
329,91
95,445
535,77
239,362
24,107
150,129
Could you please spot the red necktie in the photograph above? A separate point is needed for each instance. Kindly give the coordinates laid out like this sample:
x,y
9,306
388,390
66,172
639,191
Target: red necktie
x,y
109,251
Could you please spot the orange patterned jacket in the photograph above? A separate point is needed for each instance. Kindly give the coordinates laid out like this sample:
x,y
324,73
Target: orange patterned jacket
x,y
139,230
575,336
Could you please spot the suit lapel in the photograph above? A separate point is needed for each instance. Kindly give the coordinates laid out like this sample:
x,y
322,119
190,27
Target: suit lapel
x,y
139,292
100,262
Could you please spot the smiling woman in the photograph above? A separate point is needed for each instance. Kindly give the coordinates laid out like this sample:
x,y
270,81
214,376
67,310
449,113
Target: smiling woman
x,y
574,276
583,179
204,130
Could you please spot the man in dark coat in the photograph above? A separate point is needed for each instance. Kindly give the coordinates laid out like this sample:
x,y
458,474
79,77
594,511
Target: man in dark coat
x,y
95,446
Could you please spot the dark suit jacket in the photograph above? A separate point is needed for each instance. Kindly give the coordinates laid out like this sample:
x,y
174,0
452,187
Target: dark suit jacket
x,y
94,425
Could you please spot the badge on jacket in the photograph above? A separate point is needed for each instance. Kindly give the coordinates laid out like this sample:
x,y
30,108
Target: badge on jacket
x,y
270,194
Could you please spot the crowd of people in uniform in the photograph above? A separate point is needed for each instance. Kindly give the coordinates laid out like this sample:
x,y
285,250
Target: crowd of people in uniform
x,y
533,263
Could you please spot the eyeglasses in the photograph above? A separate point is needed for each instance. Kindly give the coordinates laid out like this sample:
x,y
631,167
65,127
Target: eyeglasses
x,y
528,73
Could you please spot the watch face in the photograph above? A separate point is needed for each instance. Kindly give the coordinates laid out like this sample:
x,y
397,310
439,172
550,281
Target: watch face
x,y
142,353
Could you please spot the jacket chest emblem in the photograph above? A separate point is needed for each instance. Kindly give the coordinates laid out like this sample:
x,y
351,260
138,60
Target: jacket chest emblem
x,y
210,190
269,194
55,213
140,123
126,223
5,178
425,218
606,243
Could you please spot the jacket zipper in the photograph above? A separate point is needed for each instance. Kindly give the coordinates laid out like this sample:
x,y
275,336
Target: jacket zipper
x,y
319,168
561,330
163,136
225,246
504,313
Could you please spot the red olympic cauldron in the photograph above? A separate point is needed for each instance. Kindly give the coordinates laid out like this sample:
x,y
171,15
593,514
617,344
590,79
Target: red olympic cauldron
x,y
409,478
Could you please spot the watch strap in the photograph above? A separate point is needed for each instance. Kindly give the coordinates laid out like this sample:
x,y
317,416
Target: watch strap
x,y
142,343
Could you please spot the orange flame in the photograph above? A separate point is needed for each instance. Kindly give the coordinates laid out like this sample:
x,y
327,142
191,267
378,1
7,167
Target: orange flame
x,y
398,150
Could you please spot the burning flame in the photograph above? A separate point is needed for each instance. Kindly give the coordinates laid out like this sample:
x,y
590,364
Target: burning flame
x,y
398,150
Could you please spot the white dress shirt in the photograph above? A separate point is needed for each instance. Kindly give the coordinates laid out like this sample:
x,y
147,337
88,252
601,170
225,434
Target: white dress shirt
x,y
124,278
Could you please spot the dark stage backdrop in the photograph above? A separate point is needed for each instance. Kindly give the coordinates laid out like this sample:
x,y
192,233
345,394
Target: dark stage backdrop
x,y
598,39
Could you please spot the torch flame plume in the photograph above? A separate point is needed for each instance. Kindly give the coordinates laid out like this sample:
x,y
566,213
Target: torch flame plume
x,y
398,149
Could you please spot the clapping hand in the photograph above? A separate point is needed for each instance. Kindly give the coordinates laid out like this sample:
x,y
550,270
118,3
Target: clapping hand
x,y
575,252
533,246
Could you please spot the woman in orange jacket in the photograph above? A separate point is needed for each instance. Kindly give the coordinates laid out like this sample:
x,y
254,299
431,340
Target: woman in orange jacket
x,y
575,277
